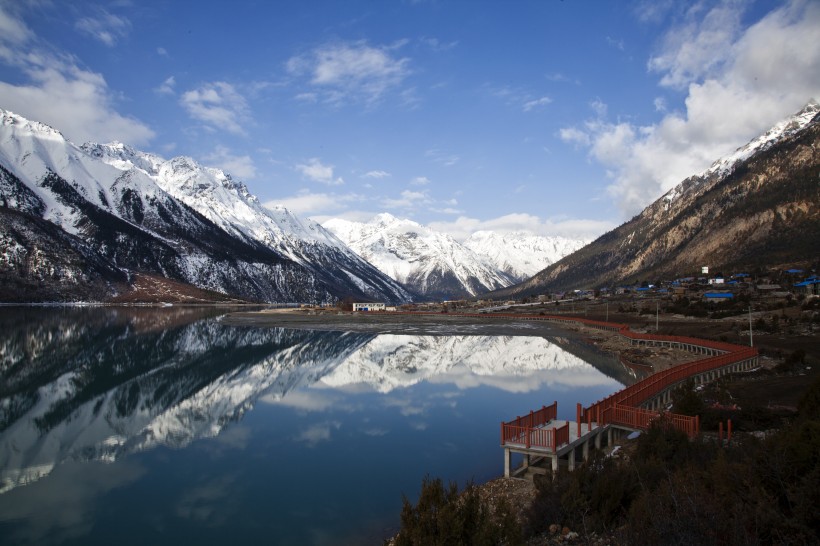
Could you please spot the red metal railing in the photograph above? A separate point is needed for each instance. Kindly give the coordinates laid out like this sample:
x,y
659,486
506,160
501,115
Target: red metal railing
x,y
621,407
537,418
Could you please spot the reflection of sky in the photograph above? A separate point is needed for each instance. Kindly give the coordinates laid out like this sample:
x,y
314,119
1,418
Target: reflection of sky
x,y
345,428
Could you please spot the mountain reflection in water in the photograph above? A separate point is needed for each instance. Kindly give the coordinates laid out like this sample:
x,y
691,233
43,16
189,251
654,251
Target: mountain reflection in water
x,y
88,384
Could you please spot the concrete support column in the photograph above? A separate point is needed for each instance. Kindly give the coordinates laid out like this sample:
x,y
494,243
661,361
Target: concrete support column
x,y
554,460
571,459
585,450
507,457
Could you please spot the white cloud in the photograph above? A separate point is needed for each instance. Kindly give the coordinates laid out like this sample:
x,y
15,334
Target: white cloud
x,y
167,87
105,27
660,104
752,78
162,52
306,203
239,166
444,158
12,29
54,89
532,104
219,105
617,43
316,171
376,174
351,71
575,135
698,46
420,181
575,228
408,199
318,204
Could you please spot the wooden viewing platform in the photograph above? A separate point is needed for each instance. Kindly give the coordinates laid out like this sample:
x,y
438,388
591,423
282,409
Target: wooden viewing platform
x,y
540,435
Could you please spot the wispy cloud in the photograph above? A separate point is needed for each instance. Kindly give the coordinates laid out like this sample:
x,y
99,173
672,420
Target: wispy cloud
x,y
575,228
518,97
318,204
240,166
536,103
54,89
700,46
617,43
218,105
351,71
437,45
420,181
376,174
408,199
167,86
739,82
104,27
315,170
442,157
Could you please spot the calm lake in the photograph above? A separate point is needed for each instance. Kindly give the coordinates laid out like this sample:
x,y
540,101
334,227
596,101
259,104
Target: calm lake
x,y
147,426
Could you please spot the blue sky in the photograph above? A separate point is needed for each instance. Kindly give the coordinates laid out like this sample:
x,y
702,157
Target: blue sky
x,y
557,117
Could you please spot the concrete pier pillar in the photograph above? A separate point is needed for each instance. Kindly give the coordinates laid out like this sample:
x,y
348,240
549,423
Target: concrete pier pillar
x,y
507,457
585,450
554,460
571,459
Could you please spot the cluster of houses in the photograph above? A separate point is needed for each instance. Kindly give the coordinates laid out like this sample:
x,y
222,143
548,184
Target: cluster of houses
x,y
781,285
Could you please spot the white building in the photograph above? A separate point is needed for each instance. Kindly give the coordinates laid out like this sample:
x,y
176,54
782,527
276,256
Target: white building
x,y
368,307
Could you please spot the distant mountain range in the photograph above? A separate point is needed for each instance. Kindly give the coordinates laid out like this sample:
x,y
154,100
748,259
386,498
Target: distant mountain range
x,y
105,222
436,266
86,223
757,208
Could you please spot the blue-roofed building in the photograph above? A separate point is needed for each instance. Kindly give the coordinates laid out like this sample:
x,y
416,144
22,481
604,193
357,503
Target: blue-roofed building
x,y
718,296
811,286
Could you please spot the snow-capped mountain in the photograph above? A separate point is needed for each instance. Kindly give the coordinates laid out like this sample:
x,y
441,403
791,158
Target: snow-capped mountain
x,y
75,226
755,209
519,254
429,263
723,166
228,203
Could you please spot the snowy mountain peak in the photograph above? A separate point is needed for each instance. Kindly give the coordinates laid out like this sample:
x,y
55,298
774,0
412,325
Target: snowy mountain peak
x,y
8,118
117,198
521,254
723,166
430,263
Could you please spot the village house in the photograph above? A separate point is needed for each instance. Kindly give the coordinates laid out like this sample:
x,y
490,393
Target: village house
x,y
369,306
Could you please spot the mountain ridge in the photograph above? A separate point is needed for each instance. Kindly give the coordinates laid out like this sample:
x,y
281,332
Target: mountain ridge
x,y
117,213
755,208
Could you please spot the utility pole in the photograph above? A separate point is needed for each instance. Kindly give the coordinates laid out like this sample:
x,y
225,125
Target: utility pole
x,y
656,316
751,342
